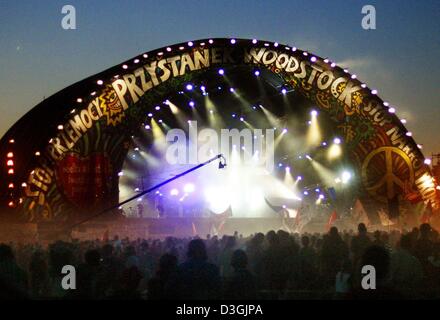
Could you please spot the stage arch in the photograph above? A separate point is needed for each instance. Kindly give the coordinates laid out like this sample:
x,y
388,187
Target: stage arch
x,y
72,146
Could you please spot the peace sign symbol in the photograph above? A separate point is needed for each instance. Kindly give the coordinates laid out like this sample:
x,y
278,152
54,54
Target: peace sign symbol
x,y
386,170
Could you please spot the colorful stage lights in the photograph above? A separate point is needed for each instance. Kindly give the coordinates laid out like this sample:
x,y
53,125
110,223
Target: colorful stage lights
x,y
189,187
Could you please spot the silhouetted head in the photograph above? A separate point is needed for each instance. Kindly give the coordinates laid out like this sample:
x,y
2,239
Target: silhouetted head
x,y
305,241
362,229
271,237
333,232
197,250
425,230
239,259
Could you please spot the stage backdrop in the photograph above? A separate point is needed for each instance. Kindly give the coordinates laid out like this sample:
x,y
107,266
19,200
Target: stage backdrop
x,y
89,125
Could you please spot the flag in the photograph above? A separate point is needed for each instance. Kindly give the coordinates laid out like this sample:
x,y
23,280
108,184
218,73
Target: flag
x,y
105,236
331,220
427,214
194,230
410,194
219,220
359,213
384,219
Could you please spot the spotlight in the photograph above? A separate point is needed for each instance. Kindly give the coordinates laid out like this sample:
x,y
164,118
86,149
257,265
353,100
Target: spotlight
x,y
409,134
231,89
308,157
284,131
314,113
391,110
283,91
306,193
241,119
190,44
254,41
221,72
299,178
346,176
233,41
191,104
189,87
120,173
256,73
202,88
288,169
189,187
337,141
313,59
174,192
427,161
150,115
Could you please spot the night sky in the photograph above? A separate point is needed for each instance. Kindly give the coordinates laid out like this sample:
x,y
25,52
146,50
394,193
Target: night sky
x,y
401,58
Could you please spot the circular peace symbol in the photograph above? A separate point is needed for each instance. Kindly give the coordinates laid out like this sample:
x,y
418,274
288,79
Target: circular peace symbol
x,y
385,187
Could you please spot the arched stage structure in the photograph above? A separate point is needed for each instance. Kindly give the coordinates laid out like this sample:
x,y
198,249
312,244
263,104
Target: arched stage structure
x,y
70,148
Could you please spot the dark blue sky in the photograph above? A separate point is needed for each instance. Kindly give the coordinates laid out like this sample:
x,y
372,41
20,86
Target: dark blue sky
x,y
401,58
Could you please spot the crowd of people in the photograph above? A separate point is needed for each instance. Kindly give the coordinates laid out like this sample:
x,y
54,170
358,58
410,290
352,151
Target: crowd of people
x,y
276,265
